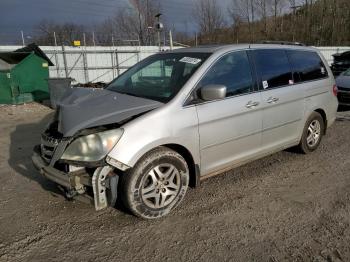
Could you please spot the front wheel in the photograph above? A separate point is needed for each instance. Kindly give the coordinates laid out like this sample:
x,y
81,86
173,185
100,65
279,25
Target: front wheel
x,y
312,134
156,185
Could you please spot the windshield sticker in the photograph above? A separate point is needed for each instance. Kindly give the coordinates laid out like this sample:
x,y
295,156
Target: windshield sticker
x,y
265,84
190,60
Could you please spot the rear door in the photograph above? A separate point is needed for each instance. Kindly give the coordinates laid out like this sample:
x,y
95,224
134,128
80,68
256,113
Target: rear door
x,y
229,129
282,100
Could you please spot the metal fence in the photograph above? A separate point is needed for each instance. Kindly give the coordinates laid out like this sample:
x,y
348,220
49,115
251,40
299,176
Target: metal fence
x,y
92,64
104,63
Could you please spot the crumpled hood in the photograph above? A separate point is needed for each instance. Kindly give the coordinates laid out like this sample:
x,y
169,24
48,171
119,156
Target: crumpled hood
x,y
343,81
85,107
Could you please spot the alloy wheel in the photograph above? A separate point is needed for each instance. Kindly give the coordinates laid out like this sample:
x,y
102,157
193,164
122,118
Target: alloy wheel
x,y
161,186
313,133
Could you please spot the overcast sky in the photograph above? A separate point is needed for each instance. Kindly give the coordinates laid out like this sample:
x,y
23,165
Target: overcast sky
x,y
17,15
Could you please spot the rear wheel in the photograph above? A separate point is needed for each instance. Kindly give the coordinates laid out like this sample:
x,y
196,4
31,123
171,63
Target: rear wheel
x,y
156,185
312,134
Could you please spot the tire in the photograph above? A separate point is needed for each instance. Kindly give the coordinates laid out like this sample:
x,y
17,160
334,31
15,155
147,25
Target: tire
x,y
312,133
156,184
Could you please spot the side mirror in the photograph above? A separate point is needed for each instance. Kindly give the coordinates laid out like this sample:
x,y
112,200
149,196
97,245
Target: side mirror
x,y
213,92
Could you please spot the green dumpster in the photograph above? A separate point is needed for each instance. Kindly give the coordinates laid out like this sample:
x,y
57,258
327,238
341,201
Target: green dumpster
x,y
23,76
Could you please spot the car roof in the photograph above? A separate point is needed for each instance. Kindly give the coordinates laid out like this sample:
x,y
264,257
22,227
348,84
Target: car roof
x,y
224,48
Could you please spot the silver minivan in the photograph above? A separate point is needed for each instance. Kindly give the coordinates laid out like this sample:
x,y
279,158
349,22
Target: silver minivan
x,y
181,116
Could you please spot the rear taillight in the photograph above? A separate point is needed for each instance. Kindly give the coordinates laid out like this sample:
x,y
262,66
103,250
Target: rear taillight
x,y
335,90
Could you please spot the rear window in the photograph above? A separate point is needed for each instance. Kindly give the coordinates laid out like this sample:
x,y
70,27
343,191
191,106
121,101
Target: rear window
x,y
307,65
273,67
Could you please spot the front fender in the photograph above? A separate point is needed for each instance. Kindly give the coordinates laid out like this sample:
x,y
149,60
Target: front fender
x,y
156,129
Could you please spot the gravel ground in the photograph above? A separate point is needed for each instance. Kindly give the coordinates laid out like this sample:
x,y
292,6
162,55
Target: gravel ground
x,y
285,207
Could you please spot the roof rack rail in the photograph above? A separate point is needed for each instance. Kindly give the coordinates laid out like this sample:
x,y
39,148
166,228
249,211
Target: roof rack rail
x,y
282,43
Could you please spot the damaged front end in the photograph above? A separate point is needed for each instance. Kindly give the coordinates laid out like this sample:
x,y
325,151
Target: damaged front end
x,y
77,164
74,147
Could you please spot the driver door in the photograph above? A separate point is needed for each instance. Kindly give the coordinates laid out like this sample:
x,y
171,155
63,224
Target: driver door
x,y
230,128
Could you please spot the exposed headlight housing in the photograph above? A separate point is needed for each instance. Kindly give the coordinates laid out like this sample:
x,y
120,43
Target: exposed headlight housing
x,y
94,147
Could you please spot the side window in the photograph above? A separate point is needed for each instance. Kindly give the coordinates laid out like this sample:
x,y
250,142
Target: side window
x,y
307,65
233,71
273,67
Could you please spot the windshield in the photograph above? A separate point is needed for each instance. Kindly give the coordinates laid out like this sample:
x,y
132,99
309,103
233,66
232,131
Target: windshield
x,y
159,77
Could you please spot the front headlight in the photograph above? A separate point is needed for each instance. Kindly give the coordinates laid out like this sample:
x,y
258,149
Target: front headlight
x,y
92,147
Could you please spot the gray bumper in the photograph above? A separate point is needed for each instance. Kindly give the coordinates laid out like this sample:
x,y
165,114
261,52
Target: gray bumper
x,y
51,173
67,180
77,182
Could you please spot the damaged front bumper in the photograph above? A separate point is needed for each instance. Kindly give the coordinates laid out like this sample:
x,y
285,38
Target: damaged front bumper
x,y
103,181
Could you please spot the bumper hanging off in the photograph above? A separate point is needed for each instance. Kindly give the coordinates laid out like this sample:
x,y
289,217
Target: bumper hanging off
x,y
103,181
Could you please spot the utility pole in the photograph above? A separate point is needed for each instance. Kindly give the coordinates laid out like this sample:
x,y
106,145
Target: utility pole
x,y
112,58
113,41
54,38
159,27
253,17
22,38
86,73
93,38
56,57
171,40
294,8
65,61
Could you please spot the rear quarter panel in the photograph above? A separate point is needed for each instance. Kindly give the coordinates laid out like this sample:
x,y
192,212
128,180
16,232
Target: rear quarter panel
x,y
319,95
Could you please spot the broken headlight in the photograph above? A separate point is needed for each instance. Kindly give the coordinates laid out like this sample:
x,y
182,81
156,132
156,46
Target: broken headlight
x,y
92,147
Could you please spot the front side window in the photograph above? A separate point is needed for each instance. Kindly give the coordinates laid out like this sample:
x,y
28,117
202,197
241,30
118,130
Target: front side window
x,y
159,77
233,71
273,67
307,65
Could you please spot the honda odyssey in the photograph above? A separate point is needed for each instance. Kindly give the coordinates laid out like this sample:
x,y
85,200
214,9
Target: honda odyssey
x,y
181,116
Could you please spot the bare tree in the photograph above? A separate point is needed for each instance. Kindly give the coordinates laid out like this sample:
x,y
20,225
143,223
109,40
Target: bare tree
x,y
277,8
135,24
65,33
209,18
262,8
242,11
314,22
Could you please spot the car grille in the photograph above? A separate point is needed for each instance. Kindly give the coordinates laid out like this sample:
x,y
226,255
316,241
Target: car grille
x,y
49,142
48,147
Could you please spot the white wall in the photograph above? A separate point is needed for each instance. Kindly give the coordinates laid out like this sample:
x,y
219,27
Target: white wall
x,y
103,58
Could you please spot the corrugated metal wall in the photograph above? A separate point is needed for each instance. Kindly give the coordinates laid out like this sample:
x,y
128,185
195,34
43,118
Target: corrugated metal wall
x,y
104,63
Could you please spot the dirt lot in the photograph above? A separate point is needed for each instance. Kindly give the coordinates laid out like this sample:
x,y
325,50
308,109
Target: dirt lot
x,y
284,207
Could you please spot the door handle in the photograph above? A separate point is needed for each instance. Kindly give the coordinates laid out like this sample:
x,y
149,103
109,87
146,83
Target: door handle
x,y
271,100
251,104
